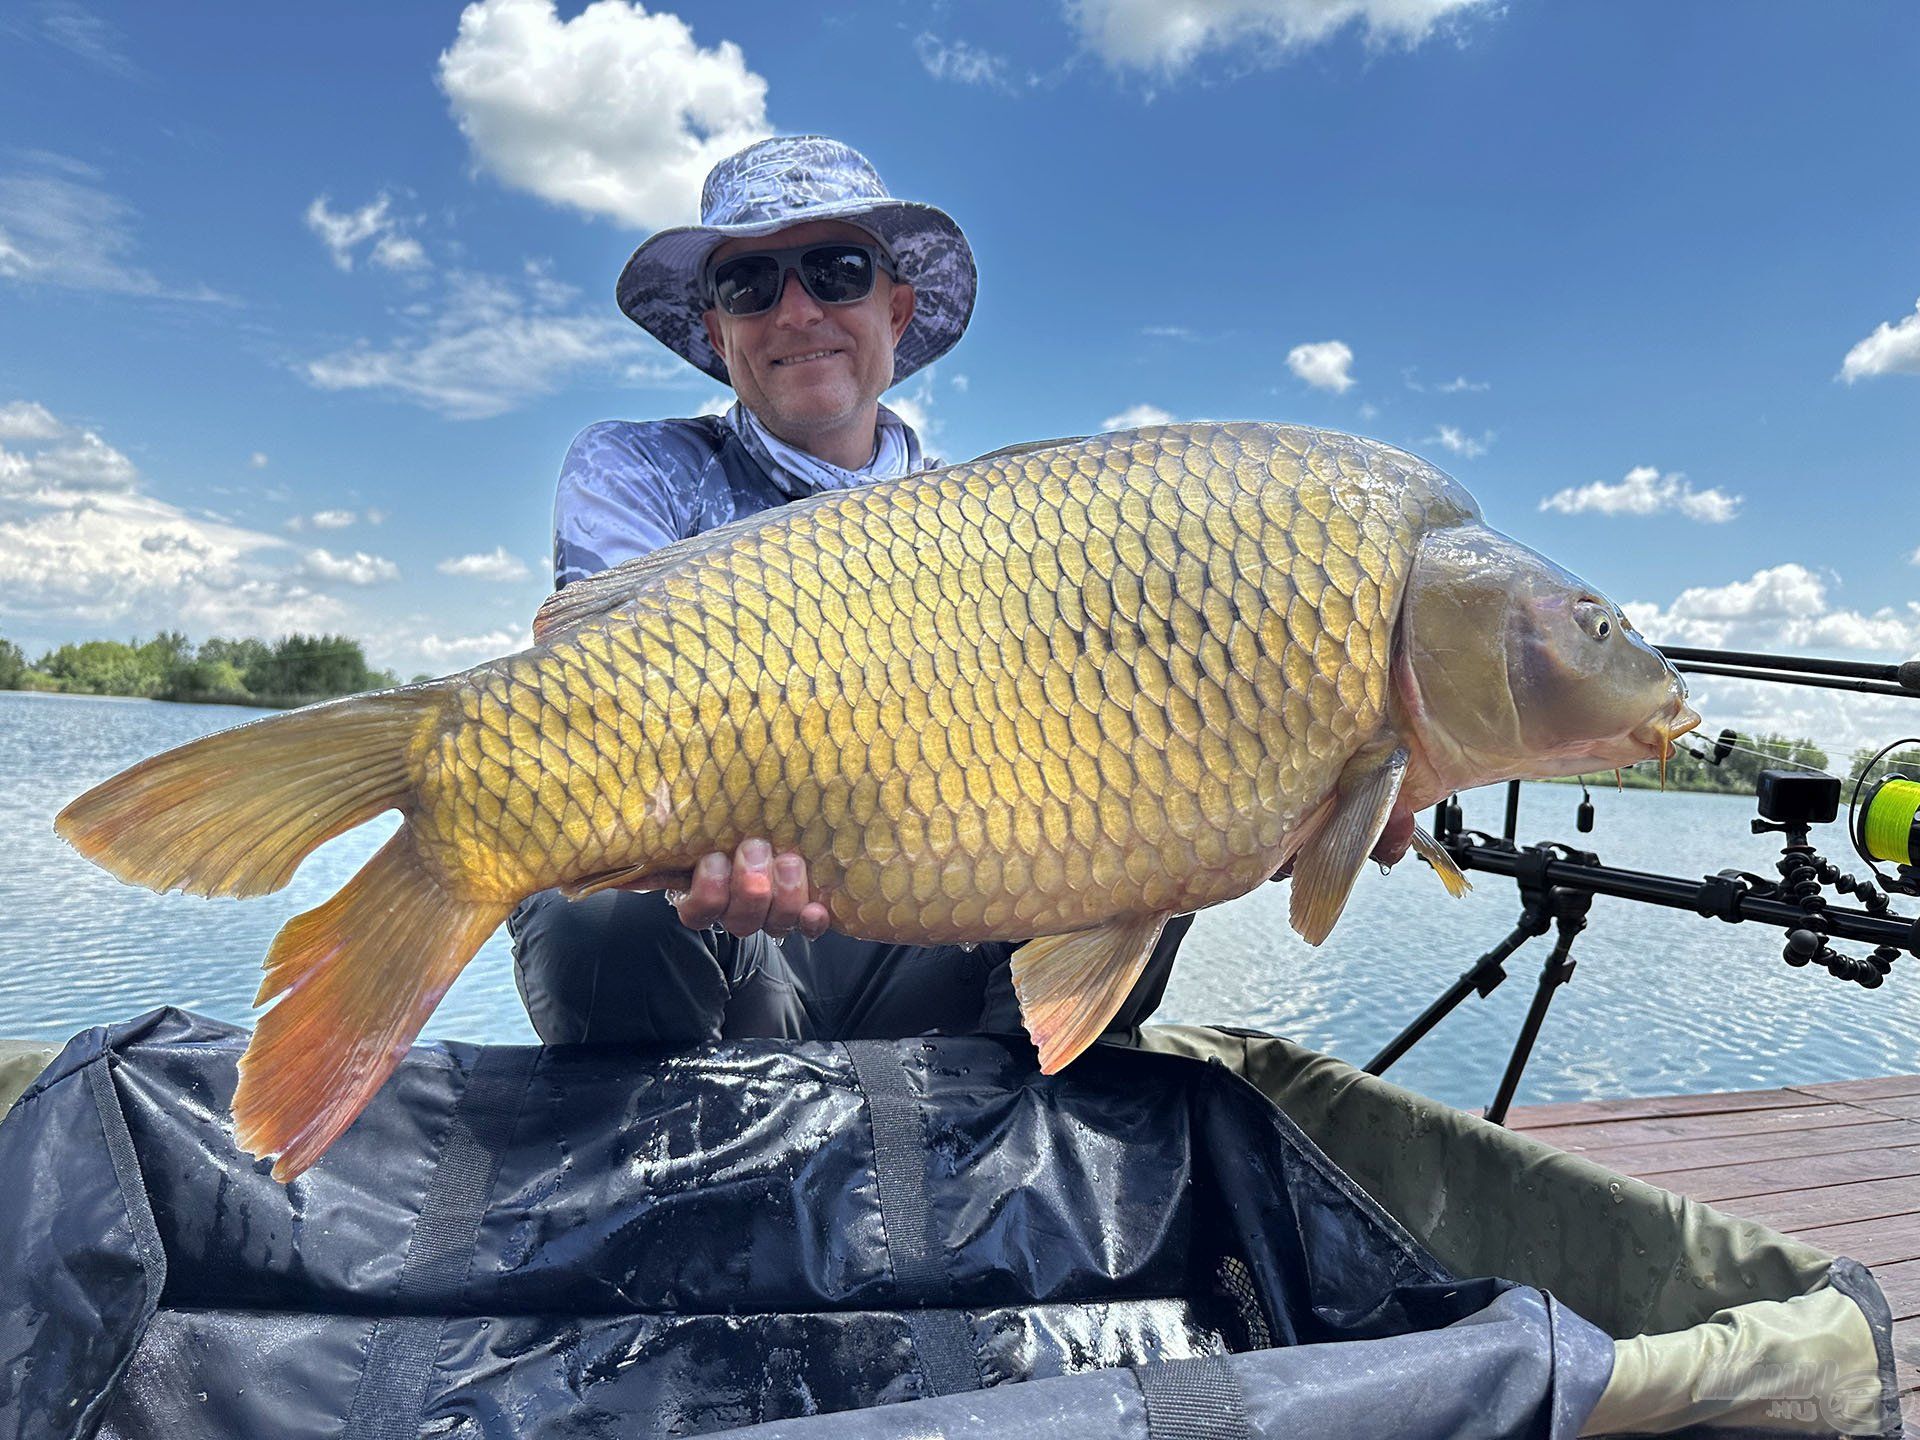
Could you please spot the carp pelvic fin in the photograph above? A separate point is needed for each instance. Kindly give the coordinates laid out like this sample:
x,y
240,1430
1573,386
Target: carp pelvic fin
x,y
356,979
1070,986
1435,854
1330,862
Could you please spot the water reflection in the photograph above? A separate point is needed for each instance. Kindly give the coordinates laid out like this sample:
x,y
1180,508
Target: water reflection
x,y
1660,1001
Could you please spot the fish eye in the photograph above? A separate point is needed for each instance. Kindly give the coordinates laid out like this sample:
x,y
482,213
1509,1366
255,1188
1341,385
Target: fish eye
x,y
1592,617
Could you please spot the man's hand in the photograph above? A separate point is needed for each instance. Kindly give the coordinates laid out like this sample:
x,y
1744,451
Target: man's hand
x,y
755,890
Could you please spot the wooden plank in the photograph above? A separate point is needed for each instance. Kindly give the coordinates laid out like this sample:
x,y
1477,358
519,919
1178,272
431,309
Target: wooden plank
x,y
1907,1107
1583,1112
1887,1240
1901,1284
1725,1184
1906,1352
1644,1131
1675,1156
1798,1210
1878,1087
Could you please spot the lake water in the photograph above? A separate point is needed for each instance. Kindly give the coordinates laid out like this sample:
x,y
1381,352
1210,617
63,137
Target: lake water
x,y
1661,1002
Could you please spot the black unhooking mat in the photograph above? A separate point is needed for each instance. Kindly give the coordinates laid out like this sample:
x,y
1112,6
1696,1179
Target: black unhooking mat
x,y
579,1241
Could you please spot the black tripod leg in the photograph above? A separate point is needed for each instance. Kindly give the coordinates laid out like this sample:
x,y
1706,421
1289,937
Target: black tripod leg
x,y
1555,973
1483,977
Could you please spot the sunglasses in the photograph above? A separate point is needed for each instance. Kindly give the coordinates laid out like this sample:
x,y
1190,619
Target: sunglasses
x,y
837,272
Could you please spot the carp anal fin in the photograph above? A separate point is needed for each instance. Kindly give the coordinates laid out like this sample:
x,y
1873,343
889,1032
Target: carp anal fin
x,y
1071,986
1330,862
1435,854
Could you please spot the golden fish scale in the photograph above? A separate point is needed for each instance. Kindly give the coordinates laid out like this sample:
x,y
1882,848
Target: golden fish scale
x,y
1014,697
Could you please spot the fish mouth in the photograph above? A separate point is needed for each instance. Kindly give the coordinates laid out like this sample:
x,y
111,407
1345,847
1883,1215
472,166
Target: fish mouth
x,y
1659,733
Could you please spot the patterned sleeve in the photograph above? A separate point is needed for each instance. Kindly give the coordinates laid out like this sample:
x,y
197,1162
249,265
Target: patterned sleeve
x,y
616,499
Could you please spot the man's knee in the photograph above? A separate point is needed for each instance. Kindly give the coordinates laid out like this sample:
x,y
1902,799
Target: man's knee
x,y
615,967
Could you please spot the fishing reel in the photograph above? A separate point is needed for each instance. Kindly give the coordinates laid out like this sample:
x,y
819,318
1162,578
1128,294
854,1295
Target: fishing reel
x,y
1885,824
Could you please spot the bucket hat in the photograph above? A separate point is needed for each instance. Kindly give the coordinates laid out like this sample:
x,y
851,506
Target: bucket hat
x,y
790,180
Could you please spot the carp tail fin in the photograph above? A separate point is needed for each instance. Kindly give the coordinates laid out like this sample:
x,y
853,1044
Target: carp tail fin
x,y
235,812
355,980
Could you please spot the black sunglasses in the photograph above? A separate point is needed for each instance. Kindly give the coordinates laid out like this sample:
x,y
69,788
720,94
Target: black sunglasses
x,y
835,272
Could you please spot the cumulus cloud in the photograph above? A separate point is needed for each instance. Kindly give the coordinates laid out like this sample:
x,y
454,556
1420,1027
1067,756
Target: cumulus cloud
x,y
497,564
491,343
25,420
1782,607
1645,491
343,232
257,460
960,62
1134,416
1323,365
717,403
59,227
1460,384
915,406
358,568
470,648
1150,35
1890,349
81,543
332,519
615,112
1459,442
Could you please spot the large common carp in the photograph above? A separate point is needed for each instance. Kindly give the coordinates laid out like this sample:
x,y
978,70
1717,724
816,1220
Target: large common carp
x,y
1065,691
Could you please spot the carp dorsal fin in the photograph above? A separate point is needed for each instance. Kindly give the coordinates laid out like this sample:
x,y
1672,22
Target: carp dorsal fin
x,y
1330,862
1025,447
1070,986
597,595
1435,854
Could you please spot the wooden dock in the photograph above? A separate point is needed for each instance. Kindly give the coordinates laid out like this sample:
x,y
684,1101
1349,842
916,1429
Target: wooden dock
x,y
1835,1165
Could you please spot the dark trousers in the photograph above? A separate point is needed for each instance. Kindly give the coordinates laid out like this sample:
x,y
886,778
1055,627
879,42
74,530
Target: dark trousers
x,y
619,967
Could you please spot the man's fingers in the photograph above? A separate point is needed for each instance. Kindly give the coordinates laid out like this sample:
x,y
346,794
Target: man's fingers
x,y
789,894
746,909
813,920
708,892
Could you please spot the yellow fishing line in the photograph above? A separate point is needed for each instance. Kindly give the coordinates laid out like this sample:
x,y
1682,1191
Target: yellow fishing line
x,y
1888,831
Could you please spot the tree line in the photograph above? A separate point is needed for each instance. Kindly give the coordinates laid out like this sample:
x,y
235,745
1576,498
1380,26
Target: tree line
x,y
294,670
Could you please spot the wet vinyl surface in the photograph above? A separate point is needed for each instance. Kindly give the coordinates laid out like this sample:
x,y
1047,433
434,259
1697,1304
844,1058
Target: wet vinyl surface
x,y
1661,1001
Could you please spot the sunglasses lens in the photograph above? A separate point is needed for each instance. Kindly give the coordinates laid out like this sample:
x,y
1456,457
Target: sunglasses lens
x,y
747,284
837,274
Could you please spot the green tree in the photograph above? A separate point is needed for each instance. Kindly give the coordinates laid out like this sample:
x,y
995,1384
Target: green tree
x,y
13,665
241,654
101,667
1900,762
312,667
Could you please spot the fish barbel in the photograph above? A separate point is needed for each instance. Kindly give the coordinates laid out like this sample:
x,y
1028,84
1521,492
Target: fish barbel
x,y
1064,691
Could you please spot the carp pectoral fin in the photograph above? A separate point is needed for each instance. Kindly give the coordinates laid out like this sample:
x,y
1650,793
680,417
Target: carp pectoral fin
x,y
634,877
1330,862
1435,854
1071,986
356,979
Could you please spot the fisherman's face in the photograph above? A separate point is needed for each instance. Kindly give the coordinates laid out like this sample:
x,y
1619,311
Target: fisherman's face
x,y
808,369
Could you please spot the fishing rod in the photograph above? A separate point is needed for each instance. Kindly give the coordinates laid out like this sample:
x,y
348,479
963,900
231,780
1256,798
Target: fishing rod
x,y
1557,882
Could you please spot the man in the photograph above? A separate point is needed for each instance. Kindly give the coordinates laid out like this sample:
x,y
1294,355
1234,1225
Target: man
x,y
810,290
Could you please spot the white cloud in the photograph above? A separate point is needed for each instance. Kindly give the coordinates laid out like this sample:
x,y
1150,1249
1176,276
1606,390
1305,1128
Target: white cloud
x,y
1460,383
376,517
472,648
81,544
332,519
960,62
358,568
344,231
1645,491
1459,442
960,383
1135,416
614,112
63,229
25,420
77,31
1323,365
915,406
1153,35
490,344
1168,332
496,565
1783,607
257,460
1890,349
717,403
1914,559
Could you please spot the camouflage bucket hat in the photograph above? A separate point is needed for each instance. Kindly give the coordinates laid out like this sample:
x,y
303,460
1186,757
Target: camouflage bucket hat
x,y
791,180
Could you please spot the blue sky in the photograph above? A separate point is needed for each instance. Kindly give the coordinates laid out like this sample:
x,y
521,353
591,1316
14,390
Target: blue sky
x,y
299,308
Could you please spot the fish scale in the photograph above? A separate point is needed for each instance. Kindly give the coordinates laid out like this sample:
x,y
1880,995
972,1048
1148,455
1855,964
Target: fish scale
x,y
1015,697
